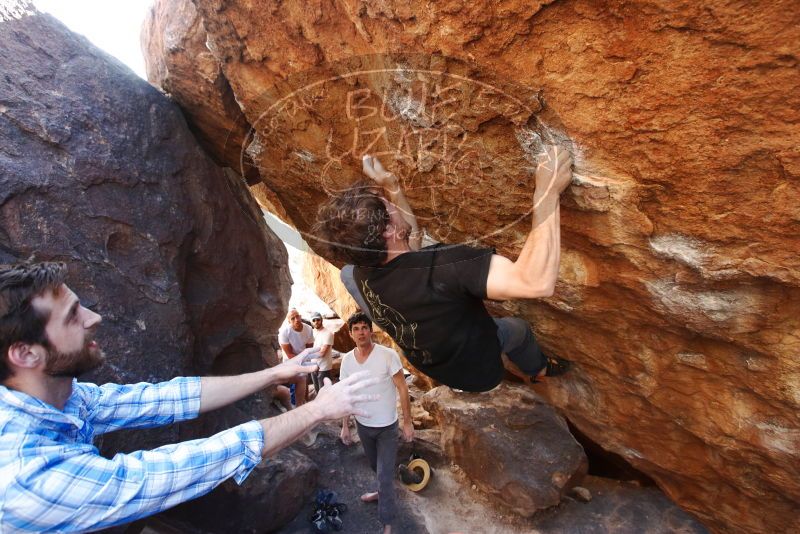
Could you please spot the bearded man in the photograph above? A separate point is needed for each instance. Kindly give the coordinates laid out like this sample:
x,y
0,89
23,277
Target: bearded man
x,y
54,479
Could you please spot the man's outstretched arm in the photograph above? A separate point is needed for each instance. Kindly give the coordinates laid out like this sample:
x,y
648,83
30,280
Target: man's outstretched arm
x,y
218,391
535,272
394,194
335,401
70,488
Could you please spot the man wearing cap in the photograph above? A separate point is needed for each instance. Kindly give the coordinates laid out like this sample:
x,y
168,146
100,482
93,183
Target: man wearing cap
x,y
294,337
323,340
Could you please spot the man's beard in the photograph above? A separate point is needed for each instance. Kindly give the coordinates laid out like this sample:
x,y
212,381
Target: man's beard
x,y
73,364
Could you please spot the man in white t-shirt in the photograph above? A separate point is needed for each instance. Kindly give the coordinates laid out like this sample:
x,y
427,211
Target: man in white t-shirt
x,y
323,340
378,428
294,337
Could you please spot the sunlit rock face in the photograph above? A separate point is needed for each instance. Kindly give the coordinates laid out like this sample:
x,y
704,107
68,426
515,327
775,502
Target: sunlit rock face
x,y
323,278
678,296
180,63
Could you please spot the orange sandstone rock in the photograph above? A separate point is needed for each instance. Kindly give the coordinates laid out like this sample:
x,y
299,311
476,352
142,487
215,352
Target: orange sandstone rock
x,y
679,296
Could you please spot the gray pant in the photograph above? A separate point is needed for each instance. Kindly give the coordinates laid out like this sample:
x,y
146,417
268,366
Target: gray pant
x,y
317,377
380,446
518,343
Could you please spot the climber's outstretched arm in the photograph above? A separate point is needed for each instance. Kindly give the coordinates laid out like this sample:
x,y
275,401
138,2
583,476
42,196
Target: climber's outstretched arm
x,y
535,272
394,194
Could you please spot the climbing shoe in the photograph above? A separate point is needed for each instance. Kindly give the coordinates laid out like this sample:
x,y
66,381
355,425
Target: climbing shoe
x,y
326,516
335,522
555,367
319,522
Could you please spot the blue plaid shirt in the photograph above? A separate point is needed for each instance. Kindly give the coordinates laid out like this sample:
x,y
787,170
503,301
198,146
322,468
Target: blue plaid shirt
x,y
52,478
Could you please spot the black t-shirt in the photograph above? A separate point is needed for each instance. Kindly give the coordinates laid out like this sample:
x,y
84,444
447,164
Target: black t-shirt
x,y
431,303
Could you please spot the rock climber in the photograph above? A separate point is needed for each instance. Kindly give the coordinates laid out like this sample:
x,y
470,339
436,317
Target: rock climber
x,y
430,299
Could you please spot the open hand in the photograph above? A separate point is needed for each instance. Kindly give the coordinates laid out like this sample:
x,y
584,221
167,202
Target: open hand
x,y
303,363
554,172
335,401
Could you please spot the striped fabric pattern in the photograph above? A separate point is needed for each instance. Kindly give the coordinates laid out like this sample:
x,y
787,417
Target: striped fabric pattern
x,y
52,478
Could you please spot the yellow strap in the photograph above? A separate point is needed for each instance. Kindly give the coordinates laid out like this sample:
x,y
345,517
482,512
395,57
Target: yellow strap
x,y
422,465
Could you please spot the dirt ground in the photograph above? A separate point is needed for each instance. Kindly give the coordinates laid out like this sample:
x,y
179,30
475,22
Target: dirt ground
x,y
449,504
437,508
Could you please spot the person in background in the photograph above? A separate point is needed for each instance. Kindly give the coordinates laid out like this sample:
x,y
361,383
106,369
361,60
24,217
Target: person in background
x,y
377,426
323,343
282,398
294,337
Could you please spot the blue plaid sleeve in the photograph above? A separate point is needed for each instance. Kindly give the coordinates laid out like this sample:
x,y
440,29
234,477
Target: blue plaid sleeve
x,y
113,406
77,490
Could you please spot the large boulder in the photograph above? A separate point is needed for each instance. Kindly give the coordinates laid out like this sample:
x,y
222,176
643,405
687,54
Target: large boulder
x,y
98,169
177,44
271,496
323,278
510,443
680,279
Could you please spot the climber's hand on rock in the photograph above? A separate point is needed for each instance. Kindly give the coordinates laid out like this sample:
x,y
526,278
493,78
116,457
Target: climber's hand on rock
x,y
374,171
554,171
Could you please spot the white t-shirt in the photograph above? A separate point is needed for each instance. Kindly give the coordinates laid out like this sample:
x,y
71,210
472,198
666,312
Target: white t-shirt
x,y
296,340
384,363
323,336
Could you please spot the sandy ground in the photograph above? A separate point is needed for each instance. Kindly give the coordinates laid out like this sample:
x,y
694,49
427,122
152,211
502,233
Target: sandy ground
x,y
444,506
449,504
